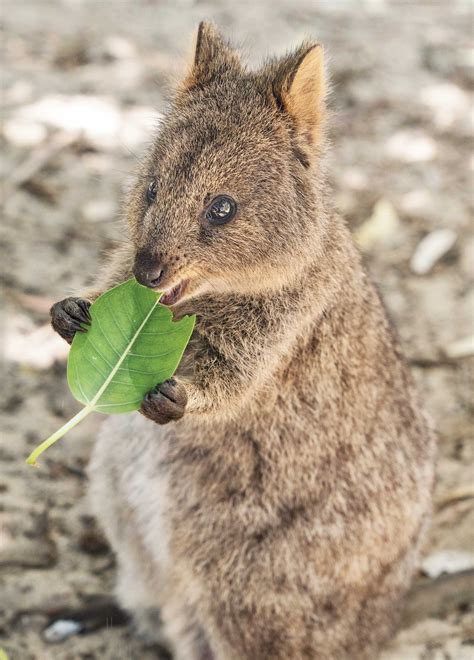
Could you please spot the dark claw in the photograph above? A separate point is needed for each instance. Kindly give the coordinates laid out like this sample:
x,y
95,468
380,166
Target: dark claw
x,y
75,325
174,392
84,305
69,316
77,310
165,403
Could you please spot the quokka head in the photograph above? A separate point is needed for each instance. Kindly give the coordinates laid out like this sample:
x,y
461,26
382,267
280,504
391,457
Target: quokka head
x,y
229,199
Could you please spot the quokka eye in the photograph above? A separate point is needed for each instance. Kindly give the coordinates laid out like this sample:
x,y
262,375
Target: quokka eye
x,y
151,192
221,210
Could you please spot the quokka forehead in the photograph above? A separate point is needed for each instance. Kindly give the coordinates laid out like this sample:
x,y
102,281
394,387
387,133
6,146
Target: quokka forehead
x,y
209,119
225,147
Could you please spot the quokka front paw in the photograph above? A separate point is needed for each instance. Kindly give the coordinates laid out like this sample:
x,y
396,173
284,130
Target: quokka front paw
x,y
165,403
68,315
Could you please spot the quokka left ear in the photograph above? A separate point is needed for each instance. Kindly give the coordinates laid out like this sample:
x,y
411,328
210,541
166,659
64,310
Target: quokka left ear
x,y
213,57
299,88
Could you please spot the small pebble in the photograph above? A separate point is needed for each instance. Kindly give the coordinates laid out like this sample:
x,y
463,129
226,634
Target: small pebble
x,y
381,227
431,249
448,103
447,561
24,133
20,92
417,201
355,178
98,210
61,630
411,146
461,348
118,48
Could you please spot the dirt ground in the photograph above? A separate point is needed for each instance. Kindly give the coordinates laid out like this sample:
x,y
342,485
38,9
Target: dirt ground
x,y
83,83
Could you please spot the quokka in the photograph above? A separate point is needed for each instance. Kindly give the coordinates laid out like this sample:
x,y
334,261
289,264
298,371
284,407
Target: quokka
x,y
271,500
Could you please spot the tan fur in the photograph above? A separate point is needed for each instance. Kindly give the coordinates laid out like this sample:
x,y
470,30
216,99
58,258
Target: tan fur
x,y
305,97
281,517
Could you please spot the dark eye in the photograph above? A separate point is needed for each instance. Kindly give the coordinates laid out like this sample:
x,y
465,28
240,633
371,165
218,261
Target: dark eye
x,y
221,210
151,192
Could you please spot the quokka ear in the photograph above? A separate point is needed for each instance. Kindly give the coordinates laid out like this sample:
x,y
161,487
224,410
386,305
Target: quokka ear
x,y
212,57
299,88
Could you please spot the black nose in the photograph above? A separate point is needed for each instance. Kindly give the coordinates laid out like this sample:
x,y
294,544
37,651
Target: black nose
x,y
155,277
147,271
150,278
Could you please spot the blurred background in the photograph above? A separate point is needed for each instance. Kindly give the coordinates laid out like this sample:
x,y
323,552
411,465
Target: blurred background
x,y
83,84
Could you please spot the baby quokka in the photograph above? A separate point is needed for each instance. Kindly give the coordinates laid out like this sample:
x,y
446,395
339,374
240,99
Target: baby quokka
x,y
271,500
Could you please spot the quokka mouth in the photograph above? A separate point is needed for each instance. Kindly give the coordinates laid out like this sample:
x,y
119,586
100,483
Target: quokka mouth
x,y
172,296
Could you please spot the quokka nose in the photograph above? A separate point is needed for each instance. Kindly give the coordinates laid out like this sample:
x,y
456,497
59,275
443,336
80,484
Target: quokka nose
x,y
155,277
152,278
149,276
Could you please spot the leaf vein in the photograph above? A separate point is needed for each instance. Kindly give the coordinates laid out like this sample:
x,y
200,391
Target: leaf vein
x,y
138,371
109,405
99,353
93,364
107,338
154,355
119,328
80,384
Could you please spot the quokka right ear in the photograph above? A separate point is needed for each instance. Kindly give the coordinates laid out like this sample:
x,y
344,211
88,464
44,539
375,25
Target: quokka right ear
x,y
213,57
298,87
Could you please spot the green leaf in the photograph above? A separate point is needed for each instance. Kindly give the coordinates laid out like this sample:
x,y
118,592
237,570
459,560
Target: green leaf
x,y
132,345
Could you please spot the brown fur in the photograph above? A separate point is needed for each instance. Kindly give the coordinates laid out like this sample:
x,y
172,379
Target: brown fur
x,y
281,516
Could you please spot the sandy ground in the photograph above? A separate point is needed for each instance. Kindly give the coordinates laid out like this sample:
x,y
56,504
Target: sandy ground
x,y
82,85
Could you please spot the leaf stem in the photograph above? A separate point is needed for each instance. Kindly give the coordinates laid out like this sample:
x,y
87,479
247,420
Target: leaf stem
x,y
31,460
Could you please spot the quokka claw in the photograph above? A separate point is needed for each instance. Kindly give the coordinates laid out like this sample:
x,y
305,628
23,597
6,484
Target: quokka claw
x,y
165,403
68,317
